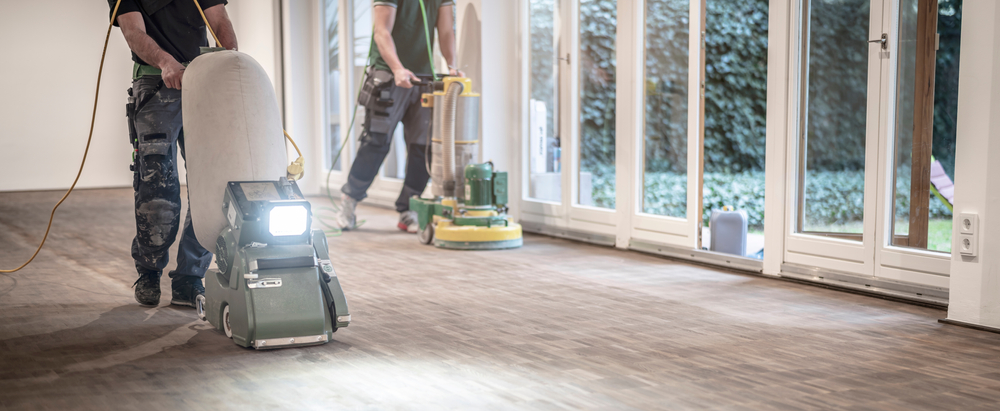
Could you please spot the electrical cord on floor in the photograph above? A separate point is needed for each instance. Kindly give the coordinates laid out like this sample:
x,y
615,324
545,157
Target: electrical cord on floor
x,y
93,119
86,150
333,230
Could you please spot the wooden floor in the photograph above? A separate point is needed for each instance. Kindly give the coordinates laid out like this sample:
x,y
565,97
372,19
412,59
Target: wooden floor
x,y
553,325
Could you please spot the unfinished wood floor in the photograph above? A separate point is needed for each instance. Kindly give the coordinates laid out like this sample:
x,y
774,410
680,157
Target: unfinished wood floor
x,y
554,325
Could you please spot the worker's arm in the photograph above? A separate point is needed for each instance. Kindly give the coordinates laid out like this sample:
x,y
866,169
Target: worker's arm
x,y
223,27
385,19
446,39
134,30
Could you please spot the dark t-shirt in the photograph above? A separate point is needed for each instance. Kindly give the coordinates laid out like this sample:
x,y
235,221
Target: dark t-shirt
x,y
175,25
408,33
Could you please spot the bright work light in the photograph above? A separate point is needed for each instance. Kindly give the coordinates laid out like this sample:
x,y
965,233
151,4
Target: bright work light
x,y
288,220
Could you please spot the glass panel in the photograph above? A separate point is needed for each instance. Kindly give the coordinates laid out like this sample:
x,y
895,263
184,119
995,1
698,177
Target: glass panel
x,y
362,37
666,112
735,126
598,22
544,154
361,43
832,150
926,109
333,81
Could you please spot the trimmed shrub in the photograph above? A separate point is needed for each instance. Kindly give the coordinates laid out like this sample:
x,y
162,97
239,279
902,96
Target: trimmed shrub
x,y
835,197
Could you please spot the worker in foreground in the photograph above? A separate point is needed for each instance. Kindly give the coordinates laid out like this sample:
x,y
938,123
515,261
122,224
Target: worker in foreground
x,y
389,96
164,36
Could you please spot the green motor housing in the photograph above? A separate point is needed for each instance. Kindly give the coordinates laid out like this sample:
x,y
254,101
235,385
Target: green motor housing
x,y
479,186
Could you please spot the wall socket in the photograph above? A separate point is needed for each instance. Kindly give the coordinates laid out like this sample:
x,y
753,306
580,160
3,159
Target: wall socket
x,y
968,234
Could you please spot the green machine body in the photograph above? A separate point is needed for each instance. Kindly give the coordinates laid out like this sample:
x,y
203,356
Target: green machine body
x,y
275,286
478,222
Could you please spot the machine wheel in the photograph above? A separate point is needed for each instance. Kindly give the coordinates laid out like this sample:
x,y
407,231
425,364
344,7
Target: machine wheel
x,y
426,235
225,322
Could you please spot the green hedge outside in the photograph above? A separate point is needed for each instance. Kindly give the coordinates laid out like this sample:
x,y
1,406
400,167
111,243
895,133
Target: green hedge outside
x,y
836,197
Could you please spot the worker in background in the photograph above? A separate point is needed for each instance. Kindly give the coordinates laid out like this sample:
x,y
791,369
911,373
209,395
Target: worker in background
x,y
164,36
400,53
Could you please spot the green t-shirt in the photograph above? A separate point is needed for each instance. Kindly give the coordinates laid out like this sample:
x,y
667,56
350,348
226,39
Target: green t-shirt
x,y
408,33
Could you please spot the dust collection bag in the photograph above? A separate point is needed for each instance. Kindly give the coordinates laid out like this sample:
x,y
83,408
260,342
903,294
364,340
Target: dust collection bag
x,y
232,132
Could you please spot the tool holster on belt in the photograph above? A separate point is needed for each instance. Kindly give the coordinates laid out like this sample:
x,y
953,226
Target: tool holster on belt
x,y
376,92
132,108
376,97
133,137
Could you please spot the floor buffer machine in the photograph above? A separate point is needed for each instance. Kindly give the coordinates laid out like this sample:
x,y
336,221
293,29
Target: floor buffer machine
x,y
469,208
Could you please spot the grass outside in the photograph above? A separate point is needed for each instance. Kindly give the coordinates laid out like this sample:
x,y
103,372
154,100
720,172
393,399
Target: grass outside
x,y
938,231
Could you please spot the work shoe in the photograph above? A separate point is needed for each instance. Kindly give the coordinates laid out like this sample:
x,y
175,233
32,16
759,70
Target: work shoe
x,y
186,290
147,288
346,219
408,221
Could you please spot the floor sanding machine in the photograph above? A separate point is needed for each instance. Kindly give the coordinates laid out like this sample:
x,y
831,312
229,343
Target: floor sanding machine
x,y
469,208
275,285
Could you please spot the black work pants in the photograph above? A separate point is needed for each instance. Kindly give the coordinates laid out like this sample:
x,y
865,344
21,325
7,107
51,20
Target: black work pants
x,y
376,139
369,160
157,188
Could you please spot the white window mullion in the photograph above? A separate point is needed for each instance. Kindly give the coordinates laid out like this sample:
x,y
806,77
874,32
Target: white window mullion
x,y
696,115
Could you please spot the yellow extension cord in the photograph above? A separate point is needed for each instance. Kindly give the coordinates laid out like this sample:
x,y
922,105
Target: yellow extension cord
x,y
93,117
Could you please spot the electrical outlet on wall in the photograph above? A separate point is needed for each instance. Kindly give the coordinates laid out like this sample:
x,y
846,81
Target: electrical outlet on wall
x,y
968,245
968,223
968,234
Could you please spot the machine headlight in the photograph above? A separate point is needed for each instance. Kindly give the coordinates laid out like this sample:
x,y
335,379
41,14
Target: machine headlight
x,y
288,220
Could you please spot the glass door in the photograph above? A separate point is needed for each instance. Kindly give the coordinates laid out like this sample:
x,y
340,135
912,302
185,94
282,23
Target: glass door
x,y
668,144
544,151
919,161
870,185
347,36
592,82
833,164
543,177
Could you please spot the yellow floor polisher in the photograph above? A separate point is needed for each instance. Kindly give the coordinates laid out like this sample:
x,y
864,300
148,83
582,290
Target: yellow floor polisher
x,y
469,209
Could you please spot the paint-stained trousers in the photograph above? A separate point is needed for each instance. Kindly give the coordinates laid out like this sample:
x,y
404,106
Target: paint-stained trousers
x,y
157,189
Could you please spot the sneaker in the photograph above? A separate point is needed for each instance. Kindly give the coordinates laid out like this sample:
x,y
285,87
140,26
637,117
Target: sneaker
x,y
186,291
147,288
346,218
408,221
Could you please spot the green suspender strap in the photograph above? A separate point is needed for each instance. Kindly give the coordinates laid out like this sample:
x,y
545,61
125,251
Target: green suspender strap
x,y
139,70
427,36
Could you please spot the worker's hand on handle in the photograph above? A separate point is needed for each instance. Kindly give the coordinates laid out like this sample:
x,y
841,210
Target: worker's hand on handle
x,y
405,78
456,72
172,74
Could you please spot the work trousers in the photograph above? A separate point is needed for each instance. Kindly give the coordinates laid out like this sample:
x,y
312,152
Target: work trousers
x,y
159,128
376,138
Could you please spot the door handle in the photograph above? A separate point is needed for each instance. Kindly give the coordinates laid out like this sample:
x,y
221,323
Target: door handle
x,y
884,41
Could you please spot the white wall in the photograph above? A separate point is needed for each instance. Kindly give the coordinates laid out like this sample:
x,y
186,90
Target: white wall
x,y
258,30
303,85
47,86
48,82
496,72
975,282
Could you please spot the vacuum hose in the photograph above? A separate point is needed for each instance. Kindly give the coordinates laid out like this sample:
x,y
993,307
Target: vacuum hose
x,y
448,136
